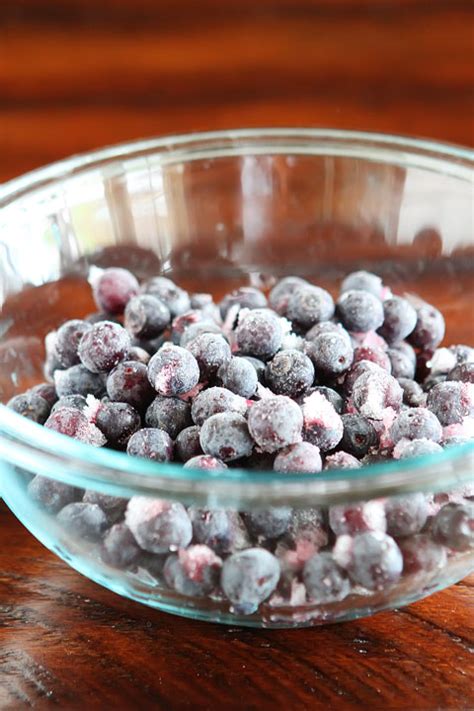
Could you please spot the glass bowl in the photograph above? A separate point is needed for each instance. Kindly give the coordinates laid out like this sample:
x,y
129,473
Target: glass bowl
x,y
214,211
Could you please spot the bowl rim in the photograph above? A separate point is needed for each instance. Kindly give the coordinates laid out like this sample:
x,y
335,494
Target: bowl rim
x,y
23,442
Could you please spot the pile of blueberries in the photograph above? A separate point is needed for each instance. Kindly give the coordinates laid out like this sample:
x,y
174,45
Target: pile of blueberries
x,y
292,382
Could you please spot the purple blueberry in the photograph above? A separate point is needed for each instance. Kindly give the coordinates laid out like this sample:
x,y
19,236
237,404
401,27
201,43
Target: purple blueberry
x,y
355,372
430,327
259,366
74,423
334,398
374,392
120,549
220,529
211,351
52,495
30,405
413,394
139,354
128,382
451,401
113,289
201,300
358,517
268,523
182,322
341,460
151,443
81,520
282,291
239,376
302,457
360,311
194,572
113,506
416,423
77,402
330,353
323,426
248,578
325,580
402,365
374,354
275,422
47,391
308,305
215,400
187,444
205,462
290,372
146,316
68,337
359,435
422,555
406,515
176,299
363,281
259,333
173,370
78,380
453,526
117,421
158,526
463,372
103,346
245,297
169,414
407,448
197,329
226,437
375,560
400,319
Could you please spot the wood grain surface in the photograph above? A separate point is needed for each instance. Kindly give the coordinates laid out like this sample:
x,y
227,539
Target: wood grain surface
x,y
78,74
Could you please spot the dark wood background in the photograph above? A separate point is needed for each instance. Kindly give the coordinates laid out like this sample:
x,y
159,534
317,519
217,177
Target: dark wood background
x,y
78,74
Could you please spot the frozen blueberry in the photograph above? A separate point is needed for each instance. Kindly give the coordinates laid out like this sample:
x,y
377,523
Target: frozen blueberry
x,y
113,289
363,281
226,437
334,398
268,523
197,329
169,414
463,372
146,316
374,392
239,376
151,443
341,460
158,526
173,370
275,422
47,391
374,354
259,333
248,578
68,337
78,380
355,372
259,366
117,421
220,529
359,435
206,463
176,299
282,291
408,356
358,517
103,346
290,372
308,305
322,425
416,423
30,405
453,526
325,580
182,322
326,327
187,444
101,316
113,506
399,319
415,448
77,402
331,353
86,521
119,548
139,354
74,423
215,400
406,515
375,561
360,311
430,327
246,297
201,300
302,457
422,554
128,382
451,401
413,394
193,572
51,494
211,351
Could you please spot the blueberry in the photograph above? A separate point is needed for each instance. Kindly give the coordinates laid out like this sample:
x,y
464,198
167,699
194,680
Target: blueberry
x,y
463,372
211,351
117,421
78,380
399,319
173,370
81,520
139,354
187,444
363,281
151,443
375,355
197,329
422,554
52,495
430,327
246,297
128,382
113,506
205,462
220,529
374,392
74,423
113,289
259,333
193,572
355,372
451,401
358,517
158,526
239,376
416,423
307,532
77,402
325,580
119,548
182,322
169,414
275,422
413,394
290,372
47,391
330,353
201,300
341,460
259,366
268,523
215,400
322,425
415,448
226,437
176,299
103,346
334,398
360,311
30,405
376,560
406,515
453,526
308,305
282,291
302,457
68,337
248,578
401,365
359,435
146,316
326,327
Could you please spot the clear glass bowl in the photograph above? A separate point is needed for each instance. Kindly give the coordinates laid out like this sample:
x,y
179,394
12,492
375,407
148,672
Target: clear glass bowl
x,y
214,211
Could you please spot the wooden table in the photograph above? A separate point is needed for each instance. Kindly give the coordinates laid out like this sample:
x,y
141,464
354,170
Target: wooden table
x,y
78,74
